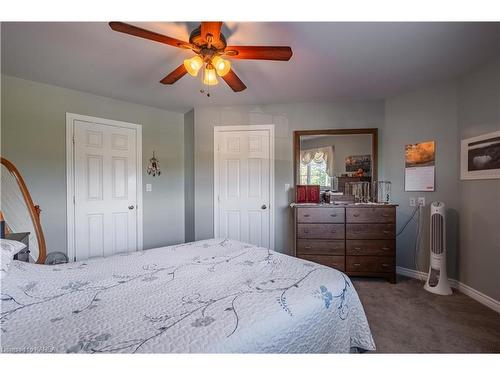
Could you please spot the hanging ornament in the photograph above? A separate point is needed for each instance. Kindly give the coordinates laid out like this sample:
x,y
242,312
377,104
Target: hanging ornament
x,y
154,166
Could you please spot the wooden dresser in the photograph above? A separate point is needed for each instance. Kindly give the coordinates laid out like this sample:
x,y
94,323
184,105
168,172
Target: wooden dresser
x,y
357,239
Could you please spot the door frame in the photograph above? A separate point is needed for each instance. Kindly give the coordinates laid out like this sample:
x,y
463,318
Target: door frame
x,y
70,175
218,130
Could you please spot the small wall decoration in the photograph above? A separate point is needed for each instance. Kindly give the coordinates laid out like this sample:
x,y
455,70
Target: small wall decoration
x,y
154,166
420,166
359,164
480,157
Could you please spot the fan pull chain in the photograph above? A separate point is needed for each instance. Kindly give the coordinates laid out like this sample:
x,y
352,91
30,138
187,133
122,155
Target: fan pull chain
x,y
208,86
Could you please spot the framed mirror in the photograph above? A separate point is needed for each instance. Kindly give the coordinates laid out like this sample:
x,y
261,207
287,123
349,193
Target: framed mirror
x,y
332,158
20,214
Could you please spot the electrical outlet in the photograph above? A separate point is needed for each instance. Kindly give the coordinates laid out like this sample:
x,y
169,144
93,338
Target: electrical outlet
x,y
149,187
413,202
421,201
287,187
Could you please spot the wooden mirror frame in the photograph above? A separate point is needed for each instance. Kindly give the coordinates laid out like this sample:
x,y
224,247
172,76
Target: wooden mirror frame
x,y
368,131
34,210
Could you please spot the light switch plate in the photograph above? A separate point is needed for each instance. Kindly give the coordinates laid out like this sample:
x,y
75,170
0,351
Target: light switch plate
x,y
149,187
413,202
287,187
421,201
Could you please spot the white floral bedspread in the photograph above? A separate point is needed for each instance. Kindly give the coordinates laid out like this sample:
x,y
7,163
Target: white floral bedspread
x,y
207,296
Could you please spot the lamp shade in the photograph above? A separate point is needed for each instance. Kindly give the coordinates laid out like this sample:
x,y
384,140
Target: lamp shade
x,y
210,77
221,66
193,65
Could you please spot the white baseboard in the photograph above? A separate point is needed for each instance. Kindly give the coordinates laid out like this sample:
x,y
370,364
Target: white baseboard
x,y
465,289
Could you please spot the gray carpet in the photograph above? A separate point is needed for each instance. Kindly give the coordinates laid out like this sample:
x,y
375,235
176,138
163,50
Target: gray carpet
x,y
404,318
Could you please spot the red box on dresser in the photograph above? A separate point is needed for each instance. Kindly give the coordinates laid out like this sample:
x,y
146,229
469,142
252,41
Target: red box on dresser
x,y
307,193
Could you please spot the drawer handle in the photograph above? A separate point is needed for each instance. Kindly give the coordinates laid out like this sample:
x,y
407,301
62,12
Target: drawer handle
x,y
357,264
307,215
307,247
386,215
356,214
306,230
333,231
333,215
386,248
357,248
385,265
386,231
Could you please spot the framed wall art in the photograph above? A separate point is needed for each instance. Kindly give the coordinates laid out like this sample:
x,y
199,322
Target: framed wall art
x,y
480,157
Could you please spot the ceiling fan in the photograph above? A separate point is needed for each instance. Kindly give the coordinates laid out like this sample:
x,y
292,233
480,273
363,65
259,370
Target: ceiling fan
x,y
210,48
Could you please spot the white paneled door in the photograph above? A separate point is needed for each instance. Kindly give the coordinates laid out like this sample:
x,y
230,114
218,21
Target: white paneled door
x,y
243,186
105,190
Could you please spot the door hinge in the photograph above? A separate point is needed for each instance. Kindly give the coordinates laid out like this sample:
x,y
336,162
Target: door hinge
x,y
218,147
74,200
73,139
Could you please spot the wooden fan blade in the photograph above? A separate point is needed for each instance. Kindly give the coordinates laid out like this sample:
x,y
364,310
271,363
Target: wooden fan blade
x,y
259,52
234,81
174,76
146,34
212,28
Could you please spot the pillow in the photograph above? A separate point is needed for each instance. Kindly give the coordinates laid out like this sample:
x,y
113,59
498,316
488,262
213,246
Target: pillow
x,y
8,249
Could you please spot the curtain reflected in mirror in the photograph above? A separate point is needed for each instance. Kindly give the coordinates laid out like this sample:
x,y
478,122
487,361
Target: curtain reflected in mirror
x,y
337,160
20,214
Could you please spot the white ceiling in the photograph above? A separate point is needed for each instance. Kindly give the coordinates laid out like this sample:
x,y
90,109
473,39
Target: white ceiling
x,y
331,61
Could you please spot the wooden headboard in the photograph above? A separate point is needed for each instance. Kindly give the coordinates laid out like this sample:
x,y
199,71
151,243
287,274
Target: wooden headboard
x,y
33,210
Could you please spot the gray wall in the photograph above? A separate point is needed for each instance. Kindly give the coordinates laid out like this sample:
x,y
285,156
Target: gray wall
x,y
422,115
479,113
34,139
343,146
189,176
286,118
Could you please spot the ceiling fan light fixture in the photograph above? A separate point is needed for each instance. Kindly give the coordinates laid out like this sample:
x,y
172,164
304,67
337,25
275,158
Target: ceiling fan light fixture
x,y
210,77
210,46
221,66
193,65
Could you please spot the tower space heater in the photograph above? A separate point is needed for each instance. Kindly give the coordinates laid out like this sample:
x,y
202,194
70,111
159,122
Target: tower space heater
x,y
437,280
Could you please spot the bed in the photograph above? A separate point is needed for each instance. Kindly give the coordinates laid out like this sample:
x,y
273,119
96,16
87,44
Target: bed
x,y
212,296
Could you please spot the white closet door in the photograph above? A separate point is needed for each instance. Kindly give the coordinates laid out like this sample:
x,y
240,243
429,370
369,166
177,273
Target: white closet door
x,y
244,186
105,190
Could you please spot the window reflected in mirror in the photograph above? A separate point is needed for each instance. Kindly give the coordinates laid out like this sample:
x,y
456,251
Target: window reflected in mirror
x,y
332,160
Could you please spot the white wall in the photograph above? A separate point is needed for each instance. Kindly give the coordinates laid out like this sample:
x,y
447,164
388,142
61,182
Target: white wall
x,y
423,115
189,176
479,113
34,139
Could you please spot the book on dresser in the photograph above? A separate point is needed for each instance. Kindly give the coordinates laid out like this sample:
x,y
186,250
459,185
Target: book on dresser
x,y
358,239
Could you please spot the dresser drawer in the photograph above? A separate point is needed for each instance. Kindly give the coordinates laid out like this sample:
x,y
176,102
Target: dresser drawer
x,y
369,264
320,215
337,262
370,231
321,231
371,215
321,247
371,247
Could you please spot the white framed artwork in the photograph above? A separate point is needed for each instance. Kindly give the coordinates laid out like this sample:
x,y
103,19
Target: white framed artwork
x,y
480,157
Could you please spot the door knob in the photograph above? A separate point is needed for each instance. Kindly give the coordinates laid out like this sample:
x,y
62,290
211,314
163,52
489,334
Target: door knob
x,y
131,207
263,206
